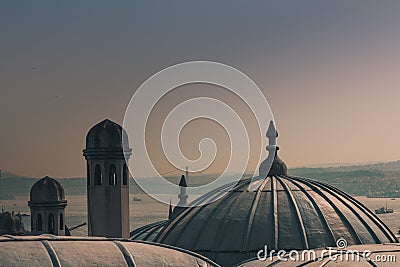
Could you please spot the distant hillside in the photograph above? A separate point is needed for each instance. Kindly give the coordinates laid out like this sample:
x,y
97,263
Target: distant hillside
x,y
380,179
12,185
374,180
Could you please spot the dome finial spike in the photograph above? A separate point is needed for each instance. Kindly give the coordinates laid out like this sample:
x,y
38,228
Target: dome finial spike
x,y
272,134
272,165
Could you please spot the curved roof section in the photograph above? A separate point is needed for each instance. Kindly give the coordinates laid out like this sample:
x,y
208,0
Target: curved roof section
x,y
47,250
283,213
387,255
148,232
107,135
47,190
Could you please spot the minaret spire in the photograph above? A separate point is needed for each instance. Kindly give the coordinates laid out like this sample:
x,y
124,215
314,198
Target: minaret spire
x,y
182,196
182,204
187,173
170,210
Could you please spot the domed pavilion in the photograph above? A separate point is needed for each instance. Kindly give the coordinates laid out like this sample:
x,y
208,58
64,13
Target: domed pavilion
x,y
47,203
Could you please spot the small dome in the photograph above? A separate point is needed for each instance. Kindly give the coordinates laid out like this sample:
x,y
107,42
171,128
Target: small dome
x,y
47,190
107,135
284,212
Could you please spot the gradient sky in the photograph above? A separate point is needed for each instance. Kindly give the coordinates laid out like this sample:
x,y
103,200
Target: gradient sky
x,y
329,69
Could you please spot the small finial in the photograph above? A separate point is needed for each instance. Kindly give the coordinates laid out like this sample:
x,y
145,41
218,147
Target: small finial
x,y
271,132
272,165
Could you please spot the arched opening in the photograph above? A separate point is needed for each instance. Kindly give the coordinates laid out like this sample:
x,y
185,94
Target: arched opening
x,y
113,175
88,173
97,175
61,221
51,224
39,223
125,175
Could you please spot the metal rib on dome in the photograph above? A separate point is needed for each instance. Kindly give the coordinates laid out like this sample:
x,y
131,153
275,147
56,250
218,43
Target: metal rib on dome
x,y
148,232
284,213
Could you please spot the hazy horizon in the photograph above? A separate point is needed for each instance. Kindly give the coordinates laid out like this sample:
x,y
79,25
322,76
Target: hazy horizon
x,y
178,173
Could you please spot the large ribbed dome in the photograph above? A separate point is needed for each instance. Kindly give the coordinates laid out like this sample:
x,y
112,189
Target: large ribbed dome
x,y
106,135
284,213
279,211
47,190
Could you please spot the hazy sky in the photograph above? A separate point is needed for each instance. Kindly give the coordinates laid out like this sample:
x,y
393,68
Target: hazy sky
x,y
329,69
